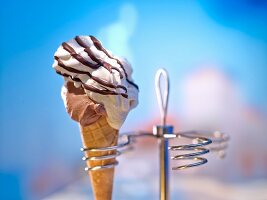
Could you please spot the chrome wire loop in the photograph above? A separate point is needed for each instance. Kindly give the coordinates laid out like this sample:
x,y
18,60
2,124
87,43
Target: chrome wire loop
x,y
196,150
125,144
219,140
162,93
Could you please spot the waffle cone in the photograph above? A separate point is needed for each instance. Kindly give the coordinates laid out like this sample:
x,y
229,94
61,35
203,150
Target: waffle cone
x,y
97,135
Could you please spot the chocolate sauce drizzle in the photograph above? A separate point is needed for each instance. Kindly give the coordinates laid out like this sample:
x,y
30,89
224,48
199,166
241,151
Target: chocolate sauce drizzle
x,y
92,88
78,57
99,63
98,45
92,56
100,81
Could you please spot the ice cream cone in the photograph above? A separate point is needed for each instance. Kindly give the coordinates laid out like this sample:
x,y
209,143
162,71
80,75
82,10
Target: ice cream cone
x,y
98,87
97,135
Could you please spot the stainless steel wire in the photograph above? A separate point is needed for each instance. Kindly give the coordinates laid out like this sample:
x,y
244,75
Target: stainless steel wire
x,y
162,93
219,140
196,150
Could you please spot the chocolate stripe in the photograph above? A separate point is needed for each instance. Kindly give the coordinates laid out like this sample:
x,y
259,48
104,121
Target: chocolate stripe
x,y
104,92
91,54
92,88
115,68
98,45
79,57
61,64
87,49
100,81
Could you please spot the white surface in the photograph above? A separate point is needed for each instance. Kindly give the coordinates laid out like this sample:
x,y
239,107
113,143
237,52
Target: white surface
x,y
185,188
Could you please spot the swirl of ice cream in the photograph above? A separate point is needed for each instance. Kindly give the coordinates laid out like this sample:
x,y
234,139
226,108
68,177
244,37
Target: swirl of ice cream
x,y
106,79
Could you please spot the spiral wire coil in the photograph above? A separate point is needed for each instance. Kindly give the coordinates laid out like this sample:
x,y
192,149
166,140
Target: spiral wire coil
x,y
122,147
196,150
219,141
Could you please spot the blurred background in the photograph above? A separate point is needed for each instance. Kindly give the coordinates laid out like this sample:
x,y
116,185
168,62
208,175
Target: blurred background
x,y
216,55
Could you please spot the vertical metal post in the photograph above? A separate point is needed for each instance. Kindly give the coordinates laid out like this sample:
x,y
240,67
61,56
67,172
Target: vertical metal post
x,y
164,170
160,131
164,160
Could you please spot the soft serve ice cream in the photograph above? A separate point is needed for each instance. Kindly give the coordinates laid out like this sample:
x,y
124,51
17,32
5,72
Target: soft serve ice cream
x,y
104,78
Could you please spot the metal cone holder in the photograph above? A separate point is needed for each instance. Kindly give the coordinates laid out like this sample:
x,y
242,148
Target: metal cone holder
x,y
203,142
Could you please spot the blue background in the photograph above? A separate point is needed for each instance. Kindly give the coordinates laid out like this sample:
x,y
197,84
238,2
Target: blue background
x,y
39,144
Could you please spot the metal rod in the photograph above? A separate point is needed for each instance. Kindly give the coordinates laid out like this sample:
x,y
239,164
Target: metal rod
x,y
164,170
162,97
159,131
